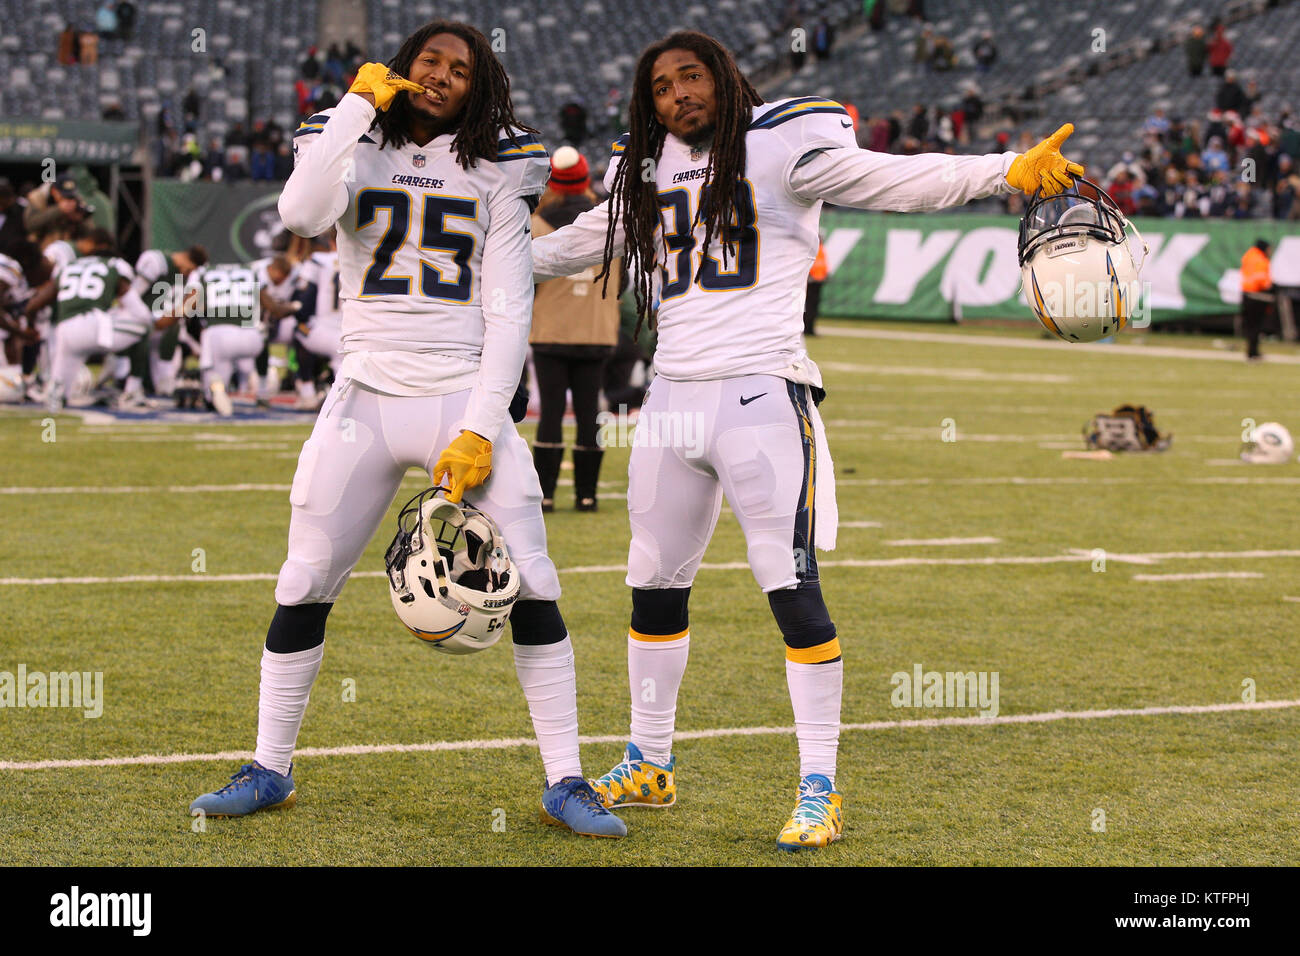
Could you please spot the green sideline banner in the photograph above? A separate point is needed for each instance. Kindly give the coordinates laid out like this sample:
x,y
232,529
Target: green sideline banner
x,y
939,266
234,221
67,141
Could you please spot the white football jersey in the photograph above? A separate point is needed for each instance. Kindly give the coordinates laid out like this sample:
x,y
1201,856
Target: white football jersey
x,y
322,271
747,308
11,274
410,241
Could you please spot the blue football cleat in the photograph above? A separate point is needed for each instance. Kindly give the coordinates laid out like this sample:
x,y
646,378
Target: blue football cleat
x,y
252,788
572,803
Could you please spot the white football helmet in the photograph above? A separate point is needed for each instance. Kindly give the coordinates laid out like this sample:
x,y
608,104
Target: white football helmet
x,y
1077,268
11,383
450,576
1269,444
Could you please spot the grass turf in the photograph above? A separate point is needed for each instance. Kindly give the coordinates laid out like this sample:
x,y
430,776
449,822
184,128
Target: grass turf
x,y
179,658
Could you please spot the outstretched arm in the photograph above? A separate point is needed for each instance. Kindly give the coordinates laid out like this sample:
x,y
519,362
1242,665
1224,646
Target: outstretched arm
x,y
575,247
929,181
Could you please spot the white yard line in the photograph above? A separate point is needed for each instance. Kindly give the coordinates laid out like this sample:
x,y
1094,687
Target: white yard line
x,y
140,489
925,542
1199,576
1009,342
1072,556
504,743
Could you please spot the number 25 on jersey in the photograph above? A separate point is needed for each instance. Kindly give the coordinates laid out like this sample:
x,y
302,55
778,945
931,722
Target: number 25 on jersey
x,y
434,235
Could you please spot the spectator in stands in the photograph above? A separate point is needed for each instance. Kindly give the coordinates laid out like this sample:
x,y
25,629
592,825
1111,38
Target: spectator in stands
x,y
190,110
799,49
921,48
1231,97
69,45
1157,124
918,127
310,69
1148,198
1195,48
1214,157
1220,50
986,52
972,106
262,161
1193,201
1256,295
573,122
823,39
334,64
125,19
88,52
942,57
106,20
214,161
1284,193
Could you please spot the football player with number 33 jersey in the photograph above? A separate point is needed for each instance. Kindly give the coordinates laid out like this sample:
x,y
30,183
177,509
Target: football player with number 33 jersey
x,y
430,181
715,198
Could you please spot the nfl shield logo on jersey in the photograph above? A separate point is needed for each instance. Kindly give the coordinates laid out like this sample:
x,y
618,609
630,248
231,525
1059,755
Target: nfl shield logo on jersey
x,y
418,160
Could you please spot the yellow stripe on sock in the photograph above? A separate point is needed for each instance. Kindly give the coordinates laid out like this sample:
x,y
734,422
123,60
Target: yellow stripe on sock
x,y
814,655
638,636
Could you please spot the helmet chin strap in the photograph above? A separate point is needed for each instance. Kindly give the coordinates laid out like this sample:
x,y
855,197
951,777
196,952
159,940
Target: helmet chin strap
x,y
1146,250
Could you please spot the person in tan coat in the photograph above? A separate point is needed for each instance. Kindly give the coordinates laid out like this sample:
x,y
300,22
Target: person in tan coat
x,y
575,329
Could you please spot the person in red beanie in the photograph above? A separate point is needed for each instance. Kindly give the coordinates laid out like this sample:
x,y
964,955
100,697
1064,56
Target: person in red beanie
x,y
575,329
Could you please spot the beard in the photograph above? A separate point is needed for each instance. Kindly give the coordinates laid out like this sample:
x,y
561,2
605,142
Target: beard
x,y
701,138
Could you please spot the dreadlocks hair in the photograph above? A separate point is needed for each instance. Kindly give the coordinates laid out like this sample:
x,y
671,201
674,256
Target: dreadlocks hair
x,y
634,197
487,109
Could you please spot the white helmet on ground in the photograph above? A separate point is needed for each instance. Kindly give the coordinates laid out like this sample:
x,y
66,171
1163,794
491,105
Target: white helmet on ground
x,y
1269,444
11,383
1078,270
450,576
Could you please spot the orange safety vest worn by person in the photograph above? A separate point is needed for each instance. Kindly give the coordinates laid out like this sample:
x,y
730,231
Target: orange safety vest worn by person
x,y
1254,270
820,270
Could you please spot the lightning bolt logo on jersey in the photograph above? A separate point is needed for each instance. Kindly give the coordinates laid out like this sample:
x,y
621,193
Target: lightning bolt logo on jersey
x,y
723,317
411,239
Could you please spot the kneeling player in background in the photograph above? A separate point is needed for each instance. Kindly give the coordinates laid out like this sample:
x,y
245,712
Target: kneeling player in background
x,y
430,181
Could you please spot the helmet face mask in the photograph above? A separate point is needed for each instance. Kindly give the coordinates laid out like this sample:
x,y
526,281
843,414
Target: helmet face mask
x,y
450,576
1079,275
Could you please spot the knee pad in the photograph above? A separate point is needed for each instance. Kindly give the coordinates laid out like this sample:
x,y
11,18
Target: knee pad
x,y
535,623
774,560
298,583
297,628
658,612
805,624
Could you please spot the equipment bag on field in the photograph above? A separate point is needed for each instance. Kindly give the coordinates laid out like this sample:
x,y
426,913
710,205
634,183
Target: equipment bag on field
x,y
1128,428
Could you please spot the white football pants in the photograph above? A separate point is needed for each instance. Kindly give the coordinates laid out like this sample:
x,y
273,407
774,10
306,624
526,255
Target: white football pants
x,y
350,470
224,348
82,336
759,440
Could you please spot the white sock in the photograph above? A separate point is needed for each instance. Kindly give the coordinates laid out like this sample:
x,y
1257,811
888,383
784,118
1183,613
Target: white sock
x,y
654,673
815,691
550,686
286,685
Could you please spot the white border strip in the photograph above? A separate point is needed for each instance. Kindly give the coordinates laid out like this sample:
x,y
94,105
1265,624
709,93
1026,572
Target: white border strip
x,y
435,746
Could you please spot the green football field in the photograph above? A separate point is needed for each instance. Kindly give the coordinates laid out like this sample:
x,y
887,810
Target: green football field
x,y
1163,583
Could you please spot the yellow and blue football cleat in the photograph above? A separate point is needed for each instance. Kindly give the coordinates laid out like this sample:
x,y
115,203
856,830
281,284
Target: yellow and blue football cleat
x,y
573,804
636,782
818,818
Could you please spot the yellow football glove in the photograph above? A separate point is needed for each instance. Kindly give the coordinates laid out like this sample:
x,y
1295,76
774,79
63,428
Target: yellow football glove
x,y
467,462
381,83
1043,167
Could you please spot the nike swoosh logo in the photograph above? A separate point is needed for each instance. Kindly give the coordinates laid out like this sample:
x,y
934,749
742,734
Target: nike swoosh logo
x,y
746,401
845,125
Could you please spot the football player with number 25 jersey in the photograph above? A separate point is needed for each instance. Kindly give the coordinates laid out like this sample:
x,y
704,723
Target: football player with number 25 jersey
x,y
429,180
714,200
